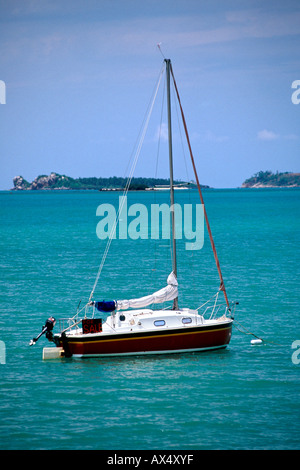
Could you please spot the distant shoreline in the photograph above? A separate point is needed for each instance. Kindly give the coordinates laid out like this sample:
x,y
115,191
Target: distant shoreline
x,y
267,179
205,188
56,182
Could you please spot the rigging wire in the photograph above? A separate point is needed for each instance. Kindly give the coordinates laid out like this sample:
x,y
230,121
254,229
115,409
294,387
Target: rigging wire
x,y
158,45
136,156
222,285
215,295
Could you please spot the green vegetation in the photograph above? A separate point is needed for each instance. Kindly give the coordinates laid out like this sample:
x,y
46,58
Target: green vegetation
x,y
267,178
116,182
56,181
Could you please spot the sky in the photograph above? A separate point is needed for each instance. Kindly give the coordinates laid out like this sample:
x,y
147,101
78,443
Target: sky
x,y
77,77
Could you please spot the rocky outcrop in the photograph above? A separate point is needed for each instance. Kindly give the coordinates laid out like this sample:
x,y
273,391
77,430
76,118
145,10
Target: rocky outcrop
x,y
53,181
20,183
45,182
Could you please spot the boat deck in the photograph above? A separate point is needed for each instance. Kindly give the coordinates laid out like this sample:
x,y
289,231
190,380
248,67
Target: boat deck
x,y
133,321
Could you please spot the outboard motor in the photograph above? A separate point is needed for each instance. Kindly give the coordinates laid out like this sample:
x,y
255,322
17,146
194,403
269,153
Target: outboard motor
x,y
49,325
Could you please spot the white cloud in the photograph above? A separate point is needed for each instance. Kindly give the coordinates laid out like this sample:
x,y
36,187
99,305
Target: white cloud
x,y
267,135
140,34
258,23
162,132
211,137
190,31
270,135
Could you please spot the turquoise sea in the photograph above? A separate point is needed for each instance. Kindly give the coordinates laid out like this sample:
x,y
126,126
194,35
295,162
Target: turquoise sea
x,y
244,397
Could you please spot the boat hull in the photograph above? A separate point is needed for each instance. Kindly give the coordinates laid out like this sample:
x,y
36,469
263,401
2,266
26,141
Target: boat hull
x,y
165,341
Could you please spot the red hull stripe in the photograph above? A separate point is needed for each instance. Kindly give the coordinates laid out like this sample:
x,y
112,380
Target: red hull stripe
x,y
194,339
150,334
147,336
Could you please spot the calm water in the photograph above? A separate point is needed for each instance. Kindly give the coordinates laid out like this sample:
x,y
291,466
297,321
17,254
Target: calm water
x,y
245,397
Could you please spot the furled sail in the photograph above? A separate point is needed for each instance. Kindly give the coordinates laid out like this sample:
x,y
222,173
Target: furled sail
x,y
169,292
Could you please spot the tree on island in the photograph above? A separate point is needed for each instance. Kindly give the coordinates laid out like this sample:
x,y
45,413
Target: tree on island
x,y
267,178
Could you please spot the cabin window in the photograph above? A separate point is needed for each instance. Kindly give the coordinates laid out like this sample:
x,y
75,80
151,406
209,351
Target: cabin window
x,y
186,320
159,322
122,317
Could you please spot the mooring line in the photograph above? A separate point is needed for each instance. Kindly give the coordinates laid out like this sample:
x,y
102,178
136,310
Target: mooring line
x,y
252,334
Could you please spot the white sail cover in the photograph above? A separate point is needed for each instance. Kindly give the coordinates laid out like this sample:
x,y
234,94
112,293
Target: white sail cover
x,y
169,292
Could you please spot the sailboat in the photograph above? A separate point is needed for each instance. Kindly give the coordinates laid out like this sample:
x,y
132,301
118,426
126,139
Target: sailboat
x,y
128,326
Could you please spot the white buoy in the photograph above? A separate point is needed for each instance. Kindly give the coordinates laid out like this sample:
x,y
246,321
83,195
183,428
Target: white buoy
x,y
256,341
52,353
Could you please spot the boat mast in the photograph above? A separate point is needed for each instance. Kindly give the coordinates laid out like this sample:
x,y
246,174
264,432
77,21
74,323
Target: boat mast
x,y
174,261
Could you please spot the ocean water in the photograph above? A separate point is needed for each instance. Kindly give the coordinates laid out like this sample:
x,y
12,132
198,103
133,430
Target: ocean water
x,y
244,397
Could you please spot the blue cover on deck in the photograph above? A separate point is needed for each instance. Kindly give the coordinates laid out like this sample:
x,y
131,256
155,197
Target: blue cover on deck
x,y
106,306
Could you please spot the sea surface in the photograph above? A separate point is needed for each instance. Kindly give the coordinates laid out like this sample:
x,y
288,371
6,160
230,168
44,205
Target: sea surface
x,y
243,397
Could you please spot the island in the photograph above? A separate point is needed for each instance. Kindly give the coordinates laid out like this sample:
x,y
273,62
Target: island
x,y
267,179
56,181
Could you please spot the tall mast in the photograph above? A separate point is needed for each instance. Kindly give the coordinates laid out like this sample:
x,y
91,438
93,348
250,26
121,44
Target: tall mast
x,y
174,261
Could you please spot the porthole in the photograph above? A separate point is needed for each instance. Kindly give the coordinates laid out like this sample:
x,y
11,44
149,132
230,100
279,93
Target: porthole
x,y
159,322
186,320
